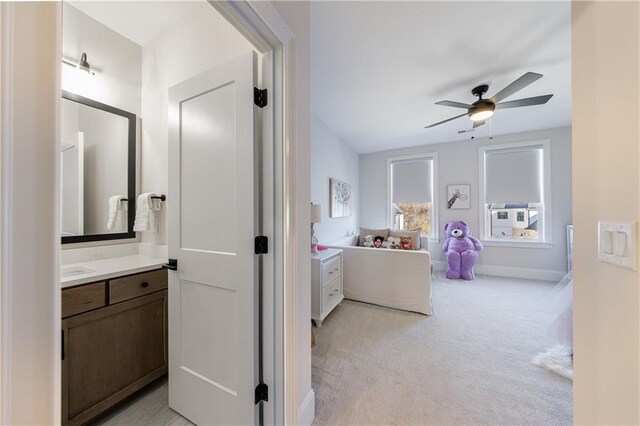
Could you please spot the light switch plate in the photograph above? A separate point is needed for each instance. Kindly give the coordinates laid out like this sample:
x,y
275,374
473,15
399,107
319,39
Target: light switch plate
x,y
617,242
606,242
620,244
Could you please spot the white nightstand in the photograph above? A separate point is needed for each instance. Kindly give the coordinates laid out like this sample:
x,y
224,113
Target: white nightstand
x,y
326,283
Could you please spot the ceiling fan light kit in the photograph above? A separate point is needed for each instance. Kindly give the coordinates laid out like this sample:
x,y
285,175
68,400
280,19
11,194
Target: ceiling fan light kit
x,y
482,109
481,112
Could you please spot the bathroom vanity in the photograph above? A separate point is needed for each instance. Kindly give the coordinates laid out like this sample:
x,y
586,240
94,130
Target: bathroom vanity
x,y
114,333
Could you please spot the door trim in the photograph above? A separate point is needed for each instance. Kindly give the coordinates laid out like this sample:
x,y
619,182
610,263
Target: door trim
x,y
30,294
266,30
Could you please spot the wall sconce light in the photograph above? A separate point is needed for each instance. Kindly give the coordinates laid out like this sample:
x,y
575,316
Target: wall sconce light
x,y
83,65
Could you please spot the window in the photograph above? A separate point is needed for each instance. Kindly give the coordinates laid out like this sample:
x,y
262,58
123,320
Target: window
x,y
515,189
411,186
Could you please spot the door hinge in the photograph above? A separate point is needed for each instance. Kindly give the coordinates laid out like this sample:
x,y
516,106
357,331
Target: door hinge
x,y
261,244
262,392
260,97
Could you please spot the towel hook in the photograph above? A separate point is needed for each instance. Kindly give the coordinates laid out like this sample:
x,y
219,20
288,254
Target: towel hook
x,y
159,197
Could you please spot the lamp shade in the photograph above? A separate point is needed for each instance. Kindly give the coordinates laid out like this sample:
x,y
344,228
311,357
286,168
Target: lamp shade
x,y
316,213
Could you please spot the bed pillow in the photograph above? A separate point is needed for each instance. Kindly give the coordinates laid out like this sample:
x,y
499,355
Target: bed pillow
x,y
414,234
384,233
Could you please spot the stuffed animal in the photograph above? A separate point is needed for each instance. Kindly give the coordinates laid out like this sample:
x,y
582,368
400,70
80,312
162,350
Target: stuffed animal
x,y
405,242
461,250
368,241
391,243
377,242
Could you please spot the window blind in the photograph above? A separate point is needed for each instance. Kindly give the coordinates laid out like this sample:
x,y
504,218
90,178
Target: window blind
x,y
514,175
412,181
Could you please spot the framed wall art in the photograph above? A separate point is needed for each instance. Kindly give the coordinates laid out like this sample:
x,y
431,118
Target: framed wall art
x,y
458,197
340,198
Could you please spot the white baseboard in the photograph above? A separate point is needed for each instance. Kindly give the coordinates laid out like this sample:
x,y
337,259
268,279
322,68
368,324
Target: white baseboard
x,y
307,410
438,265
510,272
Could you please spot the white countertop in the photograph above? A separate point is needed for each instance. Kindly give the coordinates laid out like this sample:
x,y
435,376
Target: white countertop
x,y
97,270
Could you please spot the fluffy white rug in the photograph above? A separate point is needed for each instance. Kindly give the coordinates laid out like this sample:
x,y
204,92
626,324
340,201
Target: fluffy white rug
x,y
557,359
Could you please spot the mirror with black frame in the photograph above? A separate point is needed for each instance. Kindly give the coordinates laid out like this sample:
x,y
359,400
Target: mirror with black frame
x,y
98,170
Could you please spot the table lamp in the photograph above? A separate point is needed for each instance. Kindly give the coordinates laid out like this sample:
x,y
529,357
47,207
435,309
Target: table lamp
x,y
316,217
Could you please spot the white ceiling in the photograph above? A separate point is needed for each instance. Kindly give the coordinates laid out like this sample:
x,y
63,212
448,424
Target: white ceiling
x,y
141,21
379,67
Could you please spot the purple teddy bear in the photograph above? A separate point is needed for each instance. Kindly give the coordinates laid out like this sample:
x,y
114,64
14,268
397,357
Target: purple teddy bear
x,y
460,248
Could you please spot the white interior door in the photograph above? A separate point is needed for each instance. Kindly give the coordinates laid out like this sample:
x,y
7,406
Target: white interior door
x,y
212,225
72,184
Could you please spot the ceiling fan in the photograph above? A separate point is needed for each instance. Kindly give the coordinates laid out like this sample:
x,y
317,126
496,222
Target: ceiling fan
x,y
482,109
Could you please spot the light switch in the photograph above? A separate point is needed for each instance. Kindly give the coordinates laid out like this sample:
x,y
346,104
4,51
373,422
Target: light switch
x,y
620,244
606,245
617,242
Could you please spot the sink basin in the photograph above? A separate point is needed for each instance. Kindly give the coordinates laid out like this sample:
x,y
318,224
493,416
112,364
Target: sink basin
x,y
73,271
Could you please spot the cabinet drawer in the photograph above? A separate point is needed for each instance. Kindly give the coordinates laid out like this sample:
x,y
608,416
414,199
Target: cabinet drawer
x,y
126,288
330,293
331,270
81,299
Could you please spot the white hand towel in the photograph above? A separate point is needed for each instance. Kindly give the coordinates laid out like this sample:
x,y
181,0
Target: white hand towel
x,y
147,210
115,205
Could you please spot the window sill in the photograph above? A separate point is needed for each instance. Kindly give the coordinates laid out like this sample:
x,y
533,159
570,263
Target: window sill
x,y
518,244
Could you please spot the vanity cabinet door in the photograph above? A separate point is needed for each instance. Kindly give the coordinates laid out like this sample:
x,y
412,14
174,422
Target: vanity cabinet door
x,y
111,353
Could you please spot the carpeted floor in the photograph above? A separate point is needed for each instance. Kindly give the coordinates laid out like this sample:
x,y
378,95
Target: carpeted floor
x,y
468,364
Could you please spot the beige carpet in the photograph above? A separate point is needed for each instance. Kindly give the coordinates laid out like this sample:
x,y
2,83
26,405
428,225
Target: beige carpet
x,y
468,364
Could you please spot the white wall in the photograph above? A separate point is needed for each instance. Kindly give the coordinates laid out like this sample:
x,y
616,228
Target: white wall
x,y
606,154
196,43
297,17
332,158
458,164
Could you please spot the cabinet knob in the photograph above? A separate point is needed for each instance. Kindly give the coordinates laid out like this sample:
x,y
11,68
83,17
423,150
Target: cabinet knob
x,y
144,284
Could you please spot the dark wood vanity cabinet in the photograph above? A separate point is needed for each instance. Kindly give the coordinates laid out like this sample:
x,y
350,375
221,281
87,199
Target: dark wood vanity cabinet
x,y
114,342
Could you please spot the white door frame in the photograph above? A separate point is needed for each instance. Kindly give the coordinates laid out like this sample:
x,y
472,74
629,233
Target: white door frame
x,y
30,333
30,338
265,29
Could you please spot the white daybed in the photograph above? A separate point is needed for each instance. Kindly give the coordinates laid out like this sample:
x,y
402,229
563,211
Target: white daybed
x,y
399,279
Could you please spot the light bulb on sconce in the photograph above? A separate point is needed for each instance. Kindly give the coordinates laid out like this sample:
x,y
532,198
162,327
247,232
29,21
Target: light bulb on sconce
x,y
83,65
316,217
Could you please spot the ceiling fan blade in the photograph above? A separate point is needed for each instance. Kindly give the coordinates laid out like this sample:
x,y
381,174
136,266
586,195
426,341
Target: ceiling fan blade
x,y
536,100
517,85
442,122
454,104
479,123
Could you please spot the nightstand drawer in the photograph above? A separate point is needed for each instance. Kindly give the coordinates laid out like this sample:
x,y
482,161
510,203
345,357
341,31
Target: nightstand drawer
x,y
77,300
330,293
331,270
126,288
